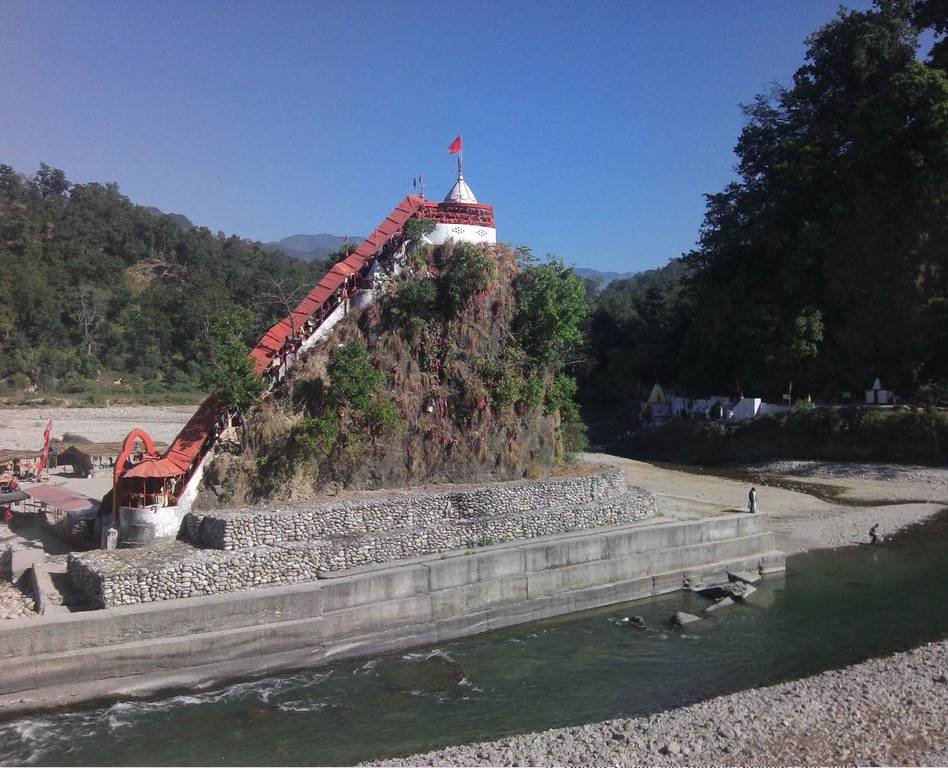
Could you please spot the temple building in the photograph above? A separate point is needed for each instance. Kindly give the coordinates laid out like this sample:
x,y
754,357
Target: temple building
x,y
460,217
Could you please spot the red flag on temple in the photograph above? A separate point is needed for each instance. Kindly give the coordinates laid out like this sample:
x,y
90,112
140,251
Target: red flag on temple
x,y
455,146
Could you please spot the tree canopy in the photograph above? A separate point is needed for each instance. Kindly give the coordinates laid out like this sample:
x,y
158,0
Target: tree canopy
x,y
826,261
92,286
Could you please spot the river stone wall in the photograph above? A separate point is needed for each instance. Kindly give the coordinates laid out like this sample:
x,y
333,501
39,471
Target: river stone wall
x,y
255,526
292,551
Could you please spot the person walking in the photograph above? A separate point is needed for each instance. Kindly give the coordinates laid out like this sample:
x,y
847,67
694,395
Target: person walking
x,y
752,501
873,537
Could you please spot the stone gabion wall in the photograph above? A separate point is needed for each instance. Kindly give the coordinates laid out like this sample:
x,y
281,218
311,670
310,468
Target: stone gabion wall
x,y
632,506
6,562
251,527
122,577
107,579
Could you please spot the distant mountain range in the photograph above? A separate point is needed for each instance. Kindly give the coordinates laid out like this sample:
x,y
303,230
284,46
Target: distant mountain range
x,y
312,247
302,247
604,277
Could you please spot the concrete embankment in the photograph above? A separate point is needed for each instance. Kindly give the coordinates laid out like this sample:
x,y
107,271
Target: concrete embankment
x,y
888,711
143,649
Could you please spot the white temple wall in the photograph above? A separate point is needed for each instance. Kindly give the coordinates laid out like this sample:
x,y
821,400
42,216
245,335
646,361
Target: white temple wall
x,y
462,233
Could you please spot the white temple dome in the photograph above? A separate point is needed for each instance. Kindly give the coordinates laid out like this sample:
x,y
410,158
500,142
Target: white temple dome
x,y
460,192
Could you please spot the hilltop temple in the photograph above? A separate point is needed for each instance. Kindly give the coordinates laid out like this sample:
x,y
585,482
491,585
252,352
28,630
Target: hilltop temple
x,y
152,494
460,217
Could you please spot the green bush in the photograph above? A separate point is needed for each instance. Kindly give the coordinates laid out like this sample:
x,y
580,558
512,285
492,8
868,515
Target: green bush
x,y
467,273
231,375
413,299
552,304
353,380
561,398
19,382
415,229
354,408
910,435
382,416
503,381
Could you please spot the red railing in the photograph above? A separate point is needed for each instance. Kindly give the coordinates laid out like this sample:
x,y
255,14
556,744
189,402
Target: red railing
x,y
188,449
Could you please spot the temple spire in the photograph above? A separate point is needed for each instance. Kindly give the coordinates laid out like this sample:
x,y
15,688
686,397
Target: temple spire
x,y
460,192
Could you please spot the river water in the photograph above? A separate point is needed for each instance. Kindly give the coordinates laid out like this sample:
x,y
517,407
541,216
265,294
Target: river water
x,y
833,608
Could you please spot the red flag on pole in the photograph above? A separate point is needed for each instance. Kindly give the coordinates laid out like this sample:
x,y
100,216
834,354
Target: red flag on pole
x,y
455,147
41,464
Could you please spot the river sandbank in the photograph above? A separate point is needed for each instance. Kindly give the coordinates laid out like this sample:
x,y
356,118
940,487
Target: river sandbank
x,y
811,505
22,426
887,711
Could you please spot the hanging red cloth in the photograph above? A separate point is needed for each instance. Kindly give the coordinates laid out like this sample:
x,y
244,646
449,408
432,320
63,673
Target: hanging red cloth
x,y
41,464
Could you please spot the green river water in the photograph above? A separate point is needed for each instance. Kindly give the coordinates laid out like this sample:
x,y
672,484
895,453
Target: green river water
x,y
833,608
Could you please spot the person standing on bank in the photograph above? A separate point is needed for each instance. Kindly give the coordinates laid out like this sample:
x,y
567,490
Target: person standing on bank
x,y
873,536
752,501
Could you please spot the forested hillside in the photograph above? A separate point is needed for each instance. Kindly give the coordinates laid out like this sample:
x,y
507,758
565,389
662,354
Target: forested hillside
x,y
94,289
826,261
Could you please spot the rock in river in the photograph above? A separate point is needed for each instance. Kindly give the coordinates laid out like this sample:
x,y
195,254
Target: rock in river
x,y
724,602
681,618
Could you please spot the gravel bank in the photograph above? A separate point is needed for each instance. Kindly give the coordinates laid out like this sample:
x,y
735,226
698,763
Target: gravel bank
x,y
846,473
892,495
14,604
888,711
22,427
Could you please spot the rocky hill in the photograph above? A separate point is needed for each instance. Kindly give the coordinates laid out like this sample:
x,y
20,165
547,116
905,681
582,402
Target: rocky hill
x,y
454,374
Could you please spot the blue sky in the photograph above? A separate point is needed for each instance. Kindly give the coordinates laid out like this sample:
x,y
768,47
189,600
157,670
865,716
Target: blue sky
x,y
594,128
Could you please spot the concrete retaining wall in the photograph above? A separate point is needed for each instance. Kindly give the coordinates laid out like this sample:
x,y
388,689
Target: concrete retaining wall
x,y
145,648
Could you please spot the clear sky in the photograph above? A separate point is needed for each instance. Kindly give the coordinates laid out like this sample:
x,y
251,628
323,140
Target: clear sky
x,y
594,128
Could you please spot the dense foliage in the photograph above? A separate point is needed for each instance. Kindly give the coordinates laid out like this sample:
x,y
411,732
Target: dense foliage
x,y
826,261
905,434
95,289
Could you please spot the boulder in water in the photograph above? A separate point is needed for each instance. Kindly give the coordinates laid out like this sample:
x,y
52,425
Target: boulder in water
x,y
682,618
715,591
429,674
724,602
745,591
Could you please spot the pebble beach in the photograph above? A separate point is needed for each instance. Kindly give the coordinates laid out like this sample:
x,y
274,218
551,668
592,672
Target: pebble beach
x,y
887,711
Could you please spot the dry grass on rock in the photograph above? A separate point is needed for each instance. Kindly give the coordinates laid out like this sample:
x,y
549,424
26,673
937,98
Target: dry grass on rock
x,y
455,424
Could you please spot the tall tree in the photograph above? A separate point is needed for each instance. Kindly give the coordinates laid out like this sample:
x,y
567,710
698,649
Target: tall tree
x,y
826,260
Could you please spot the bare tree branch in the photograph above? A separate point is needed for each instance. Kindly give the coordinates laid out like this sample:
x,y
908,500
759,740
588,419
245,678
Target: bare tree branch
x,y
279,293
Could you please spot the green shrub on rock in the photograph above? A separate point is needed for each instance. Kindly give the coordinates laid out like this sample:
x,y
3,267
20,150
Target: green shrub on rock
x,y
467,273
